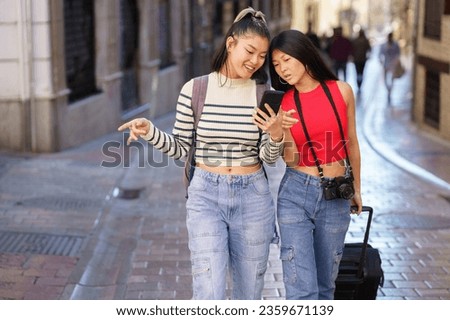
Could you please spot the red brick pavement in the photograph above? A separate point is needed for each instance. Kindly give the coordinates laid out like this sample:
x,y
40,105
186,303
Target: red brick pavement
x,y
28,276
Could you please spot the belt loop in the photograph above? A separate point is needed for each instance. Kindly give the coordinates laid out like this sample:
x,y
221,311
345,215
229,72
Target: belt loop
x,y
308,179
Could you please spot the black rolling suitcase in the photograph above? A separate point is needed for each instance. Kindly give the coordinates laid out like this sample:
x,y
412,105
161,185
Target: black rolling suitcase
x,y
360,273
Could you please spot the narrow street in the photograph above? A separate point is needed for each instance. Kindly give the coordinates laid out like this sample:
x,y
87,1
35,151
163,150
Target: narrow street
x,y
119,233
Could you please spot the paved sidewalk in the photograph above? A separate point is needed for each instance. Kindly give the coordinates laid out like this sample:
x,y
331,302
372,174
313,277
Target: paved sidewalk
x,y
390,131
119,233
49,205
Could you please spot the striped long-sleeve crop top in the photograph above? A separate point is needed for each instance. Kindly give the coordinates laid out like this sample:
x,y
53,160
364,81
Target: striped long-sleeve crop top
x,y
226,135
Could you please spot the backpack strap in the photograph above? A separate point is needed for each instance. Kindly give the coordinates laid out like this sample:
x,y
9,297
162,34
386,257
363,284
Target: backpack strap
x,y
260,88
198,97
197,102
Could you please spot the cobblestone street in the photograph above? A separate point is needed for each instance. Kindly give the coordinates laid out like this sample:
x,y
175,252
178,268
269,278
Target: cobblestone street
x,y
119,233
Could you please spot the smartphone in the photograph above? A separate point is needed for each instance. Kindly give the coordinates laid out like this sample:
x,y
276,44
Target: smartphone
x,y
273,99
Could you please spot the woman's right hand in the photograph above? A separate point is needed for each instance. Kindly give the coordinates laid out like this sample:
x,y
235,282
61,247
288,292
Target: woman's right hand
x,y
288,120
138,127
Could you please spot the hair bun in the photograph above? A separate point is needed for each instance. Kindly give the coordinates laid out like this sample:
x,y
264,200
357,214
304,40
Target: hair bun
x,y
252,12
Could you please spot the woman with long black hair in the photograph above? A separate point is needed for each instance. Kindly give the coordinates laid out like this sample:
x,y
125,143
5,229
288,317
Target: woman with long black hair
x,y
322,178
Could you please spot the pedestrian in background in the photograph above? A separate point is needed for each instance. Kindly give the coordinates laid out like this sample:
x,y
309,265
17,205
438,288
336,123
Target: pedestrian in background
x,y
317,42
313,37
389,57
361,51
230,211
340,51
321,152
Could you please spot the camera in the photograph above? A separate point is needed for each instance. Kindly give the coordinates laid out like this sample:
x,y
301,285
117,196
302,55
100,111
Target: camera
x,y
339,187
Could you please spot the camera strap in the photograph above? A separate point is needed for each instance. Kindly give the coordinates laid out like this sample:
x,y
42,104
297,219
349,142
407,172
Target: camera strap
x,y
308,138
305,131
338,119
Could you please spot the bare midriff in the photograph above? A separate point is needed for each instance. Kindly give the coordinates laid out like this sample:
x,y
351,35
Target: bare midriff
x,y
330,170
238,170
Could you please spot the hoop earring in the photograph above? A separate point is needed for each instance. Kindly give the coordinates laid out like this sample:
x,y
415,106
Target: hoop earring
x,y
281,80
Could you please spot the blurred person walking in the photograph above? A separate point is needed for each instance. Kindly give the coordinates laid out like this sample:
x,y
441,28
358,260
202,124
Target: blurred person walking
x,y
389,57
340,51
318,43
230,210
321,152
361,51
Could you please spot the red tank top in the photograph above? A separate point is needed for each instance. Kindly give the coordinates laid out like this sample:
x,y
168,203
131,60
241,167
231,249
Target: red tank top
x,y
321,123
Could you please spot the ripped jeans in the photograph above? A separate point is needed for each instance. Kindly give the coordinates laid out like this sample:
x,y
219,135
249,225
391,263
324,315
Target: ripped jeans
x,y
312,232
231,222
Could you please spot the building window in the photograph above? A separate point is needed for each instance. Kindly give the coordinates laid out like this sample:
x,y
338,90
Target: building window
x,y
432,98
248,3
129,29
434,10
236,8
275,11
218,19
225,12
261,5
79,37
165,40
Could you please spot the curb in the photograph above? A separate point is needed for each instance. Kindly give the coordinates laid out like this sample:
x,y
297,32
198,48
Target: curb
x,y
372,124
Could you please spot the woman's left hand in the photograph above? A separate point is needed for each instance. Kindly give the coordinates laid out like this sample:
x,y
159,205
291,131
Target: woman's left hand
x,y
357,202
273,123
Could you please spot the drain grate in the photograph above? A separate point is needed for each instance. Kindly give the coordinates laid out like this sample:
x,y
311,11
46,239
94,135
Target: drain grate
x,y
413,221
39,243
127,194
61,203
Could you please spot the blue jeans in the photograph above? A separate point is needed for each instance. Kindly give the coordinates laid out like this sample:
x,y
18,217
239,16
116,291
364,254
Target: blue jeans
x,y
312,232
231,222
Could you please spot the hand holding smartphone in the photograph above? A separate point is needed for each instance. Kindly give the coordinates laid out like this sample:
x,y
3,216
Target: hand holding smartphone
x,y
273,99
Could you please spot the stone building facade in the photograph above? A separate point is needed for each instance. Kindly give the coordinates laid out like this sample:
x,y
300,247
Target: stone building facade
x,y
73,70
431,109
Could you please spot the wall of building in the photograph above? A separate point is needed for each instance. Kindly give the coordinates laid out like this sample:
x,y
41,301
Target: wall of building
x,y
97,114
36,111
325,15
16,72
432,52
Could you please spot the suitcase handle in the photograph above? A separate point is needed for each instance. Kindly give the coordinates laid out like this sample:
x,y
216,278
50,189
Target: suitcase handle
x,y
366,239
